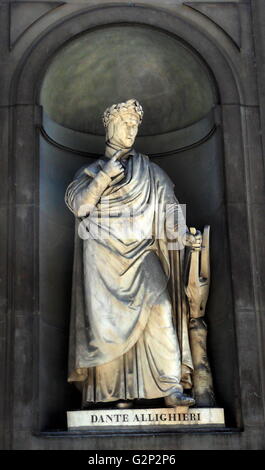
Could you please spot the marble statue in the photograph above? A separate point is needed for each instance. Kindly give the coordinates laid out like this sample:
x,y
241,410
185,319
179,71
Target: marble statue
x,y
129,330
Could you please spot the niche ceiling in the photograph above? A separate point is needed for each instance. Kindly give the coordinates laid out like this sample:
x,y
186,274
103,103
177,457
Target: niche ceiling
x,y
115,63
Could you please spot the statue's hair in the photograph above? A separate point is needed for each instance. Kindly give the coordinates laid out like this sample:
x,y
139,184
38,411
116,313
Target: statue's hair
x,y
131,106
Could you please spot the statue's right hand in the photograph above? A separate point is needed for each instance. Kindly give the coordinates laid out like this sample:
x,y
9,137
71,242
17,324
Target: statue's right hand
x,y
113,167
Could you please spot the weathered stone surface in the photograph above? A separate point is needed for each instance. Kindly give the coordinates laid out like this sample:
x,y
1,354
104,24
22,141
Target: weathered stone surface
x,y
225,16
235,76
24,14
250,368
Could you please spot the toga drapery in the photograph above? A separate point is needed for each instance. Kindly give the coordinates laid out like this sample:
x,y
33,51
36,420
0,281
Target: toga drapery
x,y
128,338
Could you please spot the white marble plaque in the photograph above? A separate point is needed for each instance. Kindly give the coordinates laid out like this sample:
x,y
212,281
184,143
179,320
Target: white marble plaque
x,y
179,416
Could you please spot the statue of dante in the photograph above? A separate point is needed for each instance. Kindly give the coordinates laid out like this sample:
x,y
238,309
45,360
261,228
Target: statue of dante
x,y
129,328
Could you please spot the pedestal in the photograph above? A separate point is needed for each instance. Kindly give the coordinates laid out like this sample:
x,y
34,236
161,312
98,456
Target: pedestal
x,y
135,418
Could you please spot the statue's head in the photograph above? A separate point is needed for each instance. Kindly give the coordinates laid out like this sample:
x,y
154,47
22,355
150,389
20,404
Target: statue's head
x,y
121,122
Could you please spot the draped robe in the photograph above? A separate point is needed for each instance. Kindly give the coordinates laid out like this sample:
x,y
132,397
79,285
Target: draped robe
x,y
128,338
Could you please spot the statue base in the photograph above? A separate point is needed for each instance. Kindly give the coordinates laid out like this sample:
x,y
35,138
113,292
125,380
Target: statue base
x,y
135,418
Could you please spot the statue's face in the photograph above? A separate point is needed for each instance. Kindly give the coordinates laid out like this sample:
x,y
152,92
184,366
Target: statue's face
x,y
123,130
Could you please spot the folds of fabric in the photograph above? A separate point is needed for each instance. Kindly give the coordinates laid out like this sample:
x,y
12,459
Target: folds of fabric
x,y
121,269
150,369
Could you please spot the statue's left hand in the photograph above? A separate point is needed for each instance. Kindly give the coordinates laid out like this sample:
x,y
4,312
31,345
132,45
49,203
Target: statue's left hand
x,y
193,239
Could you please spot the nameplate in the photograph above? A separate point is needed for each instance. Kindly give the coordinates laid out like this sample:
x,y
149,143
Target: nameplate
x,y
89,419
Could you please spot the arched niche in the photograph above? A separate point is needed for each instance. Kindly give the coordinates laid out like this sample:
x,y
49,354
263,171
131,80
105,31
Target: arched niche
x,y
181,132
108,64
32,352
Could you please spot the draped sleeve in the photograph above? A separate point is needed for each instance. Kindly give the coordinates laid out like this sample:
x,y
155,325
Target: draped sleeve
x,y
83,194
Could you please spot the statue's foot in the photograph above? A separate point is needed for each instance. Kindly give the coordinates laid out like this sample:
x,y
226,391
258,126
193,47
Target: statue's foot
x,y
124,404
178,398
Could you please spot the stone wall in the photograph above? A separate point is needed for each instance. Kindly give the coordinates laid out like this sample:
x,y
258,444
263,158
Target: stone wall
x,y
229,36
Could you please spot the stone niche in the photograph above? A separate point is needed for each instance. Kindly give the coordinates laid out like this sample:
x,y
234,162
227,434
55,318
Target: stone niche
x,y
181,132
